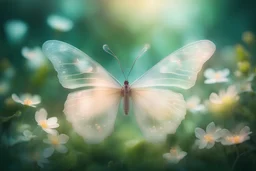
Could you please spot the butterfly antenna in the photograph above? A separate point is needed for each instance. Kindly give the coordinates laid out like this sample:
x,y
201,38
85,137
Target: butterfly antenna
x,y
109,51
143,50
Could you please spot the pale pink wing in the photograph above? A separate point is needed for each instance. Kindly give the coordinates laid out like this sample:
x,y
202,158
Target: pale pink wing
x,y
179,69
75,68
92,112
158,112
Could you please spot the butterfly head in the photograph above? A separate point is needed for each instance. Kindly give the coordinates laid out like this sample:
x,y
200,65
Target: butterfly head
x,y
126,83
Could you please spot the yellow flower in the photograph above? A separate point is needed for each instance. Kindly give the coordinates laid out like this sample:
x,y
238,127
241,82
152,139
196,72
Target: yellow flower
x,y
224,100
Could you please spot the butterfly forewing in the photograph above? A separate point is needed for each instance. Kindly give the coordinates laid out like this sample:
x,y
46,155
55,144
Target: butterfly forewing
x,y
75,68
179,69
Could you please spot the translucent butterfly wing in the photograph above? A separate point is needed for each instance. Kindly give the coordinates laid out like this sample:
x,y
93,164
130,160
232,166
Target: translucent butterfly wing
x,y
158,112
179,69
93,112
91,115
75,68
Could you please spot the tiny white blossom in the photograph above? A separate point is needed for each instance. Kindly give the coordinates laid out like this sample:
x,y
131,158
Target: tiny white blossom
x,y
27,99
238,137
225,97
27,136
207,139
59,23
57,143
194,104
15,30
47,125
175,155
213,76
35,57
39,158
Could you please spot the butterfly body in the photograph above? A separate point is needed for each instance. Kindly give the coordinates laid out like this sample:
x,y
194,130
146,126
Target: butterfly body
x,y
93,106
126,93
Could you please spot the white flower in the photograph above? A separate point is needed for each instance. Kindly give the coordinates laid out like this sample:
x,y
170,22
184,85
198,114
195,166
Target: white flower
x,y
229,138
216,76
59,23
225,97
207,139
39,158
194,105
57,143
27,136
15,30
27,99
47,125
35,57
175,155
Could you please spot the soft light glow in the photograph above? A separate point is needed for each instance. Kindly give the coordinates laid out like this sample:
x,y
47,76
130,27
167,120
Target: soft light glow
x,y
15,30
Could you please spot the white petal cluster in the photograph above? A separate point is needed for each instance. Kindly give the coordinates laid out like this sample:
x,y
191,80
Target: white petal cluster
x,y
48,125
213,76
27,99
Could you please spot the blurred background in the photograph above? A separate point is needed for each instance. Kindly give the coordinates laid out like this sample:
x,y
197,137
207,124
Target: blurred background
x,y
126,26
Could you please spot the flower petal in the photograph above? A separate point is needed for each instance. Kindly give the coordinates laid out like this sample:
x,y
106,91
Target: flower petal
x,y
41,115
16,98
210,144
199,132
50,131
52,121
63,138
36,99
202,144
48,152
225,72
210,129
214,98
27,133
210,81
209,73
61,149
245,131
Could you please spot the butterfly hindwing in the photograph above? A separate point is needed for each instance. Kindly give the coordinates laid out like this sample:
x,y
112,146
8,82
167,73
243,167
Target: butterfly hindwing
x,y
158,112
93,112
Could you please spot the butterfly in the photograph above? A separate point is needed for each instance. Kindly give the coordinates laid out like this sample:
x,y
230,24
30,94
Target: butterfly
x,y
93,107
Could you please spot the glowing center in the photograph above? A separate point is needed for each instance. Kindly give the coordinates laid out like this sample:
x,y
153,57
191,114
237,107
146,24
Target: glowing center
x,y
235,139
208,138
173,151
228,100
55,141
217,76
27,102
43,124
